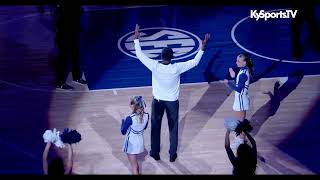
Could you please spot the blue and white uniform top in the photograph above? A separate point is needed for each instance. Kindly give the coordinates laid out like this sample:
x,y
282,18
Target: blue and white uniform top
x,y
241,98
133,128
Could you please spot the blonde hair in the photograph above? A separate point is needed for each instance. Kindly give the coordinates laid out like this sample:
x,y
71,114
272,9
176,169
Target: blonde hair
x,y
139,106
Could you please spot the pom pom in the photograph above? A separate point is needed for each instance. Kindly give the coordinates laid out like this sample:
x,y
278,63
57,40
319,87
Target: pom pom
x,y
59,143
243,126
70,136
231,123
48,136
53,137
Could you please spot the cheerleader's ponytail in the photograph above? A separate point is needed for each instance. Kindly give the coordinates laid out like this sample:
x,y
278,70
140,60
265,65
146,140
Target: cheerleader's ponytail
x,y
249,62
139,106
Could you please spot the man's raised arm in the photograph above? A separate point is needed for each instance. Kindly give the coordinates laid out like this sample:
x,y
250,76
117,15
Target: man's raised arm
x,y
149,63
185,66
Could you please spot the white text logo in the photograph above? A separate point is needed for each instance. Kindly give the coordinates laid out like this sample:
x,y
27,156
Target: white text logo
x,y
262,14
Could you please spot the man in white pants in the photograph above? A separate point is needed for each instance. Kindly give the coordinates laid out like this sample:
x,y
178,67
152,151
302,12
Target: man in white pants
x,y
165,90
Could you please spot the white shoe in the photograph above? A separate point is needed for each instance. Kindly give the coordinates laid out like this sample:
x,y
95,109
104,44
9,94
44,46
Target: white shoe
x,y
236,143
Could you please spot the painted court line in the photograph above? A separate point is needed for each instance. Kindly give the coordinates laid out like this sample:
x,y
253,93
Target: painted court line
x,y
114,90
259,55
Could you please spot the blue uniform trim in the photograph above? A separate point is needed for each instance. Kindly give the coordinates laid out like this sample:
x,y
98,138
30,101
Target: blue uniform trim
x,y
140,132
241,102
125,125
136,132
127,142
241,84
147,121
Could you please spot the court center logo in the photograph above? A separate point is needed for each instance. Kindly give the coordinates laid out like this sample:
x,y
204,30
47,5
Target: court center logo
x,y
152,40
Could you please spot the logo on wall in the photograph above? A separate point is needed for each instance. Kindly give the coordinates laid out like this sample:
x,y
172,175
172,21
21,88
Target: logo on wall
x,y
152,40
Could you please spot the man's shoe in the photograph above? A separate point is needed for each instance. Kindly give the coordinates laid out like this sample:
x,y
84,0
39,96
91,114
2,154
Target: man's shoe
x,y
81,81
155,156
65,86
173,157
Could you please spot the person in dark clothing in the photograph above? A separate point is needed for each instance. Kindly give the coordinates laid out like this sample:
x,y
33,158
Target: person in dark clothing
x,y
56,165
246,161
306,12
68,44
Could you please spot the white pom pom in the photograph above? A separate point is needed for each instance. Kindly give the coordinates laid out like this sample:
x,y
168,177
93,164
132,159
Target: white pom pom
x,y
53,137
54,131
231,123
59,143
48,136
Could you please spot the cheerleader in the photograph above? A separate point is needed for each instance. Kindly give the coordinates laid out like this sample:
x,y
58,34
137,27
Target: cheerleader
x,y
56,165
241,101
245,161
133,127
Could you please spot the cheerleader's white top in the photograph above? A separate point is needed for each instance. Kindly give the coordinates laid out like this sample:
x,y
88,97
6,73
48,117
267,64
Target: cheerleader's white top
x,y
133,128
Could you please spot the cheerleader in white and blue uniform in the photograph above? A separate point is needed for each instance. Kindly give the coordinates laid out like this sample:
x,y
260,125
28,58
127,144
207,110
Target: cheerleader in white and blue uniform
x,y
241,99
133,127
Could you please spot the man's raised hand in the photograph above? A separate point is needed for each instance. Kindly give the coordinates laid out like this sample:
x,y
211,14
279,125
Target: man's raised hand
x,y
205,41
136,32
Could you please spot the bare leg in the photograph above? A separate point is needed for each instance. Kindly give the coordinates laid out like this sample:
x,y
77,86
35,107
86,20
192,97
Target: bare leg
x,y
240,115
134,163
